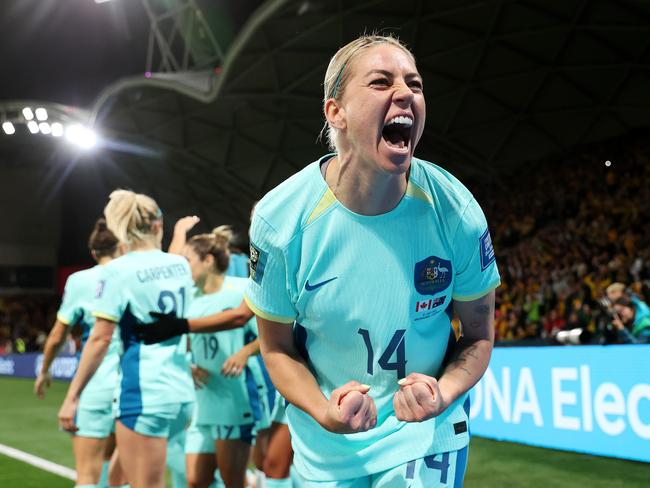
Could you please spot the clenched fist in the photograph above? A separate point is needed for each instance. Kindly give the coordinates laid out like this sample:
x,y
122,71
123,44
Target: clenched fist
x,y
418,398
350,409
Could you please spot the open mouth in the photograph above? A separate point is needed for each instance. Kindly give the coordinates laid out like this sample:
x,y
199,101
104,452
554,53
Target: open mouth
x,y
397,132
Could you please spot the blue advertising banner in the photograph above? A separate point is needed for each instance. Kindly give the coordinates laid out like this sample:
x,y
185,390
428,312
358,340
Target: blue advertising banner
x,y
28,366
592,399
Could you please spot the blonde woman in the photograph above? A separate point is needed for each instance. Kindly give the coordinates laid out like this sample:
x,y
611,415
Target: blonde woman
x,y
357,262
156,392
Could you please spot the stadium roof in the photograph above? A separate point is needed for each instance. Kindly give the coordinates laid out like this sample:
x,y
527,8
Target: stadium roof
x,y
506,82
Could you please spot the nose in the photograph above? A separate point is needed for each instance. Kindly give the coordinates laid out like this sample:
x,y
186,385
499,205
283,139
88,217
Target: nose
x,y
403,95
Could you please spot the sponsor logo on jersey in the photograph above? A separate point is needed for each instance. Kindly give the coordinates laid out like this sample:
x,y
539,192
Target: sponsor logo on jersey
x,y
257,262
432,275
310,287
487,250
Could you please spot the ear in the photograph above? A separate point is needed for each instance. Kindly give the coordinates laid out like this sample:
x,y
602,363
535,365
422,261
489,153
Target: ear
x,y
94,255
209,260
335,114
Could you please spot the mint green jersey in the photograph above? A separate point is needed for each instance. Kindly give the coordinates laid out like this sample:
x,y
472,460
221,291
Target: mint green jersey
x,y
224,400
76,307
370,300
158,375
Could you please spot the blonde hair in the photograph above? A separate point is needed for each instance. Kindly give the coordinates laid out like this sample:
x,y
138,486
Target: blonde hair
x,y
216,243
130,216
338,72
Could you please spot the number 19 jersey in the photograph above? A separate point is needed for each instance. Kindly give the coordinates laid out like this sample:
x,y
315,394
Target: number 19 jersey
x,y
370,300
156,376
224,400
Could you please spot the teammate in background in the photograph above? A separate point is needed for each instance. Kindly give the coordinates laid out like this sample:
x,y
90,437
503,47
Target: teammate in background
x,y
272,454
229,402
94,441
365,252
156,394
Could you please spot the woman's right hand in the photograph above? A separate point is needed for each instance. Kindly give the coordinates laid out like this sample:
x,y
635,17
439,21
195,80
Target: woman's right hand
x,y
350,409
185,224
67,414
200,376
43,381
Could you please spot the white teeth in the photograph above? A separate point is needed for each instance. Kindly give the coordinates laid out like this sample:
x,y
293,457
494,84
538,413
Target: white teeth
x,y
403,120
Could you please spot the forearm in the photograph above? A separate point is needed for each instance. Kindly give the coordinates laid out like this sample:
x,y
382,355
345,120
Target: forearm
x,y
468,364
227,320
252,348
91,357
295,382
53,345
472,352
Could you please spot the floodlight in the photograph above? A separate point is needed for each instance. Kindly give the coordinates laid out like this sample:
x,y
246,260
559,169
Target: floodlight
x,y
33,127
9,128
28,114
57,129
41,113
45,128
81,136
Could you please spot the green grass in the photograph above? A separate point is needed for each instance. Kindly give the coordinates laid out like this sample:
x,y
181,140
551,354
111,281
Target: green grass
x,y
15,473
30,425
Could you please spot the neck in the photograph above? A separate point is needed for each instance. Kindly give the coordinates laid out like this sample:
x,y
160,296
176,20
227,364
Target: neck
x,y
144,245
212,283
104,259
364,189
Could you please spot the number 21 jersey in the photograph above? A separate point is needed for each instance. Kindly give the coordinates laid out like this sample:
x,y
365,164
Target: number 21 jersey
x,y
158,375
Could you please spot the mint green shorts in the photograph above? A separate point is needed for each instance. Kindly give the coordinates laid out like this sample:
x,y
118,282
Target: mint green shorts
x,y
445,470
165,424
97,423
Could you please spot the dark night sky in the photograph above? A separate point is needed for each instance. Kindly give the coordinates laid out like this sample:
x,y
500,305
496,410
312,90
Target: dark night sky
x,y
66,51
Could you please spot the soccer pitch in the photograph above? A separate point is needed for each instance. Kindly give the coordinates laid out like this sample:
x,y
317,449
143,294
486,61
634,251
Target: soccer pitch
x,y
30,425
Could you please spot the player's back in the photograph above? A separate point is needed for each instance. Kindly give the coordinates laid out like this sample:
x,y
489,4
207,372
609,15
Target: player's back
x,y
133,286
80,292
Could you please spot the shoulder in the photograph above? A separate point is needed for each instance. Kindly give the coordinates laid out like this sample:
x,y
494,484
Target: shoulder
x,y
285,210
443,187
82,278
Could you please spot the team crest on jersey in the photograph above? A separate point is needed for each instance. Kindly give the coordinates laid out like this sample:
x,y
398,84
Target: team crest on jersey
x,y
432,275
257,262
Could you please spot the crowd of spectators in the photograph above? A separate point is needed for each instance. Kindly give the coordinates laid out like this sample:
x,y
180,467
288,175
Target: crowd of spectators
x,y
563,231
24,322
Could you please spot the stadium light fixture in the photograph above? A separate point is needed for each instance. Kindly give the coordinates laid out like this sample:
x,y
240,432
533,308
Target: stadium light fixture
x,y
81,136
57,129
33,127
28,114
45,128
41,114
9,128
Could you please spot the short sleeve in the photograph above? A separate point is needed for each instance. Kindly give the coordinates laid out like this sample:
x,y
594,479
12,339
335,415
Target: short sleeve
x,y
70,311
267,293
108,303
474,260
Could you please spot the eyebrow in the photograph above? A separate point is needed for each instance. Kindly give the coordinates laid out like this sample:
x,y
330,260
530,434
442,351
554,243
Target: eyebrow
x,y
389,74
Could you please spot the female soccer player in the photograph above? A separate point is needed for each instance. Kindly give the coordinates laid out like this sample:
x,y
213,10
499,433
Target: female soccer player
x,y
156,393
367,251
95,421
231,399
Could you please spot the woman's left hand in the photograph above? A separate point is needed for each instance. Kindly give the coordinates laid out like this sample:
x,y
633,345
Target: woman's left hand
x,y
235,364
418,398
67,414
